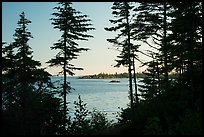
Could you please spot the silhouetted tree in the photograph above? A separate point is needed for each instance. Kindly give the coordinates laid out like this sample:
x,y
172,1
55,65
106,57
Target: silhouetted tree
x,y
8,71
80,123
24,88
186,43
73,26
123,24
153,22
178,49
151,83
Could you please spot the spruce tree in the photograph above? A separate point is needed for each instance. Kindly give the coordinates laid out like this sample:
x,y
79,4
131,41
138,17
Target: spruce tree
x,y
152,22
24,85
122,24
151,87
186,44
8,71
27,70
74,26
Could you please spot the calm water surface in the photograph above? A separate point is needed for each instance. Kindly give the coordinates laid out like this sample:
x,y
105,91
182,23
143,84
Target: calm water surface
x,y
99,94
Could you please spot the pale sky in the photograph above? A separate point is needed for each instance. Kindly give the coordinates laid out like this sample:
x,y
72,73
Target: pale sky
x,y
98,59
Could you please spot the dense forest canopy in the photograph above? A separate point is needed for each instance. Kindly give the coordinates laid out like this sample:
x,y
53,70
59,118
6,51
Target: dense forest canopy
x,y
168,101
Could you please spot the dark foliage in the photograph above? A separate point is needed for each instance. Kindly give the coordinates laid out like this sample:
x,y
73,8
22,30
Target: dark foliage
x,y
28,108
74,26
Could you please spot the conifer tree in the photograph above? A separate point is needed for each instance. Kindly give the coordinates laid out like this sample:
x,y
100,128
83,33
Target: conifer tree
x,y
152,22
123,24
74,26
8,78
175,28
27,70
19,66
151,87
186,43
80,124
24,86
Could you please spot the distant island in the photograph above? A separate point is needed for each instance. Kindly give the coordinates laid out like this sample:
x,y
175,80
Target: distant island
x,y
118,75
105,75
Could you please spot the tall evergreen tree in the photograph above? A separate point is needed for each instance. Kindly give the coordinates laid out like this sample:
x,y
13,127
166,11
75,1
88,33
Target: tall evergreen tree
x,y
24,86
74,26
8,71
27,70
186,43
152,22
151,87
123,24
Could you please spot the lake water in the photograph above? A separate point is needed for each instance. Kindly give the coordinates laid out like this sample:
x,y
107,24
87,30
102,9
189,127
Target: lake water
x,y
99,94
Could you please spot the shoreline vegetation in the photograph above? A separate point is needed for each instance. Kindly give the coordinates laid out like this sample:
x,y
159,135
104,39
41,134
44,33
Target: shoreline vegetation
x,y
117,75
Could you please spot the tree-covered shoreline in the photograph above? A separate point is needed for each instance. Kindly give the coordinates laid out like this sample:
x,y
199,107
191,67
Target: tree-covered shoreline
x,y
104,76
117,75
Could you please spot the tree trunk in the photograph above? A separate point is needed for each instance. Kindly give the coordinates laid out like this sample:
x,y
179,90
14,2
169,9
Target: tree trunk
x,y
158,77
65,81
129,57
135,81
165,49
190,61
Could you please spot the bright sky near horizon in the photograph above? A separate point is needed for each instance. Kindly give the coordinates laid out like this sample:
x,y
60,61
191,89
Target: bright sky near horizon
x,y
98,59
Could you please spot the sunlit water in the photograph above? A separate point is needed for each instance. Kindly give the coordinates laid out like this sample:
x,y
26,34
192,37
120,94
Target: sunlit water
x,y
99,94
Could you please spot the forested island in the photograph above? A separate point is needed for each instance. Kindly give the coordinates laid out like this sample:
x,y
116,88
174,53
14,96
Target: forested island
x,y
118,75
104,75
